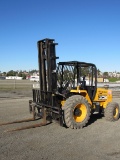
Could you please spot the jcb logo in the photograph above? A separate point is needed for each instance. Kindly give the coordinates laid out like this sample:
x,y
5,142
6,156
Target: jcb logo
x,y
102,97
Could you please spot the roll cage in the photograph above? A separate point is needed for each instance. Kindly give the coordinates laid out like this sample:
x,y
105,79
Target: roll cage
x,y
74,73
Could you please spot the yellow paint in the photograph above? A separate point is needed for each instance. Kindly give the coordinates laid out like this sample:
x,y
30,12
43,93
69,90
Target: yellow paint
x,y
83,112
63,102
82,92
103,96
116,112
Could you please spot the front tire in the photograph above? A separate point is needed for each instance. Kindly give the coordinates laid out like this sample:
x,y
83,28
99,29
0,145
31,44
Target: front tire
x,y
112,111
76,112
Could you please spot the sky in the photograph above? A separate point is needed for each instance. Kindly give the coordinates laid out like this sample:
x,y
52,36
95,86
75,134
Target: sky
x,y
85,30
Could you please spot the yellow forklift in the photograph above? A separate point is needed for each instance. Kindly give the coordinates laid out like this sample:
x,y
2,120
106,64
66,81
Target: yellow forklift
x,y
68,90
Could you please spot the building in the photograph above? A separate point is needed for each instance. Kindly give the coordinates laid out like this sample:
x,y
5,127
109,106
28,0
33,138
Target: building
x,y
14,77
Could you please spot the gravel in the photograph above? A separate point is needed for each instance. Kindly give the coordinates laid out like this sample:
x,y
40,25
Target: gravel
x,y
99,140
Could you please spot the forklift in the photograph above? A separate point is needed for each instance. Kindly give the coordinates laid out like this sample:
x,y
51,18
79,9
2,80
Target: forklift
x,y
68,91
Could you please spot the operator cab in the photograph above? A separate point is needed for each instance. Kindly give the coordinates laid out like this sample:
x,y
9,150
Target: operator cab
x,y
72,74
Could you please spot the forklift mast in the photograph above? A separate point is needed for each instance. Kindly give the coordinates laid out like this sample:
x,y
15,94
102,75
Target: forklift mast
x,y
47,65
47,73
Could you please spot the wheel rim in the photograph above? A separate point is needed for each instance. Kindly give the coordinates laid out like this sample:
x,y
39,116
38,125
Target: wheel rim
x,y
115,112
80,112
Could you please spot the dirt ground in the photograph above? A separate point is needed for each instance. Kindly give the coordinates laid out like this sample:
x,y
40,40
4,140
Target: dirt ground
x,y
99,140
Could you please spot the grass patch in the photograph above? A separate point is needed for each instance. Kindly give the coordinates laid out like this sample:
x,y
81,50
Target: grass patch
x,y
114,79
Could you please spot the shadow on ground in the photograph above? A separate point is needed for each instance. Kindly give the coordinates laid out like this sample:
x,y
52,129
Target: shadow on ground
x,y
94,117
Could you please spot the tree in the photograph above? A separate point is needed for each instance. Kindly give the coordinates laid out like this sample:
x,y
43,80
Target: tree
x,y
33,71
11,73
20,74
24,76
4,73
105,74
98,71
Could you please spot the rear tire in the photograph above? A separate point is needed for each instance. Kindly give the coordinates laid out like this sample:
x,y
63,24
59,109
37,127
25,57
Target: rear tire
x,y
112,111
76,112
